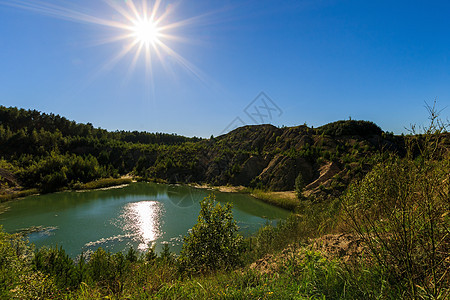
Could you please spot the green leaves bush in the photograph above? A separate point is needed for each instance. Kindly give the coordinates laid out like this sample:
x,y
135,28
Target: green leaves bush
x,y
299,186
400,209
55,262
213,243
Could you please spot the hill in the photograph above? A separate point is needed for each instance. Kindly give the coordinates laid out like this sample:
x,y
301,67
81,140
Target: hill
x,y
49,152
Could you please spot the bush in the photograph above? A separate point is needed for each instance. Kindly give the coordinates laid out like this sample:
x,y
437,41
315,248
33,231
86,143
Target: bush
x,y
55,262
106,269
299,185
400,210
17,279
10,264
213,243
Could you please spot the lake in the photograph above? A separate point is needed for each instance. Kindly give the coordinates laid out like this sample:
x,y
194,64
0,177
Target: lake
x,y
137,215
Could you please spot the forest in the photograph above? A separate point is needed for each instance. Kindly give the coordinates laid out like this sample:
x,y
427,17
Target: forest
x,y
49,152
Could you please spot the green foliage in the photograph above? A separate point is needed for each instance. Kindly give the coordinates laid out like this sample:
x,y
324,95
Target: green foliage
x,y
288,203
299,185
57,171
22,193
213,242
55,262
150,254
350,127
10,264
132,255
101,183
21,119
17,279
106,270
166,255
401,210
49,152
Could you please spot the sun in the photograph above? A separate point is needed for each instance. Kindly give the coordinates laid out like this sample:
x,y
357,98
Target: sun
x,y
146,32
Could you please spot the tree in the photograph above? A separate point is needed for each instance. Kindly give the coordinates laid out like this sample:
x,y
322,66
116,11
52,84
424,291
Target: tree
x,y
213,242
299,185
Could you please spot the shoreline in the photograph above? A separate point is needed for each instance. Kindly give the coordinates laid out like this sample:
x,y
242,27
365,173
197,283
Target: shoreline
x,y
284,199
99,184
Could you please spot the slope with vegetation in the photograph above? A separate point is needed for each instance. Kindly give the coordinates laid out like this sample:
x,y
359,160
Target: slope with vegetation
x,y
49,153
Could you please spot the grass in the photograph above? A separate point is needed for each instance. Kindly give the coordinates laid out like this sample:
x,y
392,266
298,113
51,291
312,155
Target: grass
x,y
102,183
282,200
304,275
18,194
97,184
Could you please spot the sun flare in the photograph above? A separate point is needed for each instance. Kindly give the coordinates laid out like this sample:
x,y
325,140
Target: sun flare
x,y
146,31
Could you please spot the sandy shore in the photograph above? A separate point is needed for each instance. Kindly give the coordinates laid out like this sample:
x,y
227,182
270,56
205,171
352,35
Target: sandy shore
x,y
289,195
222,188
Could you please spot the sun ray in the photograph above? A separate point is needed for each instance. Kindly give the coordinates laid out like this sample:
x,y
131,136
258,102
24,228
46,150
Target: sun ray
x,y
133,64
184,62
143,27
155,9
120,9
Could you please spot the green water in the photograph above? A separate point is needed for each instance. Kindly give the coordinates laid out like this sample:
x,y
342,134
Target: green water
x,y
138,215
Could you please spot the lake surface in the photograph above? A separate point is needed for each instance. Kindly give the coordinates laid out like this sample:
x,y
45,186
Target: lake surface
x,y
138,215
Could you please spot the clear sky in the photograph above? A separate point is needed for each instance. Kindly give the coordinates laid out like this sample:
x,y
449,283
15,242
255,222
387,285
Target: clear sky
x,y
316,61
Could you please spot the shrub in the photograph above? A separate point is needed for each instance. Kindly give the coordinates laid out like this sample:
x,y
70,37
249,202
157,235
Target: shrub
x,y
132,255
55,262
11,266
150,255
299,185
166,255
213,242
400,209
17,279
106,269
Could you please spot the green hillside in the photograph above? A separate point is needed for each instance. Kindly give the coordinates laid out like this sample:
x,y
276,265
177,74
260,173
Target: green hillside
x,y
49,153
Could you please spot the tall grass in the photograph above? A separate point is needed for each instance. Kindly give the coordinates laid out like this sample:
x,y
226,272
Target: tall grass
x,y
19,194
276,199
401,211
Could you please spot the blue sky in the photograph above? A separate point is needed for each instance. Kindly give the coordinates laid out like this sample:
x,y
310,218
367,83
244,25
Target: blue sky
x,y
317,61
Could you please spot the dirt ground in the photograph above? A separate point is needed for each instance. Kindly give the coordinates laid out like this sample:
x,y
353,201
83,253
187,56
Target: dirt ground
x,y
347,248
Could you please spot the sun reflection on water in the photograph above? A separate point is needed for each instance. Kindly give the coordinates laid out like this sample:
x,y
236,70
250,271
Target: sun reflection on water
x,y
143,220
